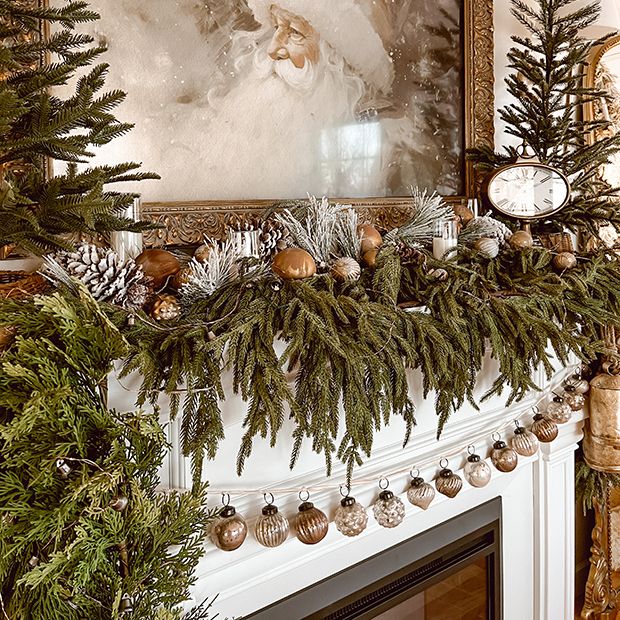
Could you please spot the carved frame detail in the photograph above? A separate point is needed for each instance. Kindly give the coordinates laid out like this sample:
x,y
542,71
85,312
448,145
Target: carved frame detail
x,y
185,223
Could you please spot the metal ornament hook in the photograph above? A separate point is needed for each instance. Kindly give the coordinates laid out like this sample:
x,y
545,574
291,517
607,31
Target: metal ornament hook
x,y
414,469
384,483
496,436
225,499
517,425
307,495
268,501
347,488
471,449
441,463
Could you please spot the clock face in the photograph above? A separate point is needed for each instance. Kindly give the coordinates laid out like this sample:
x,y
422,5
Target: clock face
x,y
528,190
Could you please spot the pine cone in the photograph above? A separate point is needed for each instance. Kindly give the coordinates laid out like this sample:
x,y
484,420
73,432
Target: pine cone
x,y
106,276
489,227
410,254
273,238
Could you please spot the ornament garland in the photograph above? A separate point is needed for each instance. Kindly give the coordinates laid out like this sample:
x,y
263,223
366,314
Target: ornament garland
x,y
351,518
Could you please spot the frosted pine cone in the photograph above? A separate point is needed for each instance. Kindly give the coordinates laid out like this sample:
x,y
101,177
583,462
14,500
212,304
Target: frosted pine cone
x,y
106,276
487,227
273,238
410,254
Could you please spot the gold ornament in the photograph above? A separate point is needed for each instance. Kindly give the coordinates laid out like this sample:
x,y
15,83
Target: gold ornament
x,y
487,247
546,430
346,269
564,260
159,265
293,264
370,258
371,238
476,470
311,524
504,458
601,443
7,335
447,482
165,308
524,442
521,240
230,530
272,527
203,252
181,277
420,493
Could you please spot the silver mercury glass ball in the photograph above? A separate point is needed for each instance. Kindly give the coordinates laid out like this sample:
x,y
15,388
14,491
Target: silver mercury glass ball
x,y
524,442
504,458
351,518
575,401
559,411
581,386
389,511
476,471
272,527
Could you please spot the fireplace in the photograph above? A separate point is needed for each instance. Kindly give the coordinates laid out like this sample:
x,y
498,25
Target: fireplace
x,y
451,572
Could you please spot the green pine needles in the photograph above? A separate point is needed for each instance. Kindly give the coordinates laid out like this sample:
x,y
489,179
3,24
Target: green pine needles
x,y
65,552
36,212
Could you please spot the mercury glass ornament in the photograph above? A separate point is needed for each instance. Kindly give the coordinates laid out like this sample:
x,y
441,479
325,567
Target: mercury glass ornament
x,y
351,517
230,530
476,471
558,410
272,527
581,385
524,442
420,493
448,483
504,458
574,401
389,510
545,429
119,503
311,524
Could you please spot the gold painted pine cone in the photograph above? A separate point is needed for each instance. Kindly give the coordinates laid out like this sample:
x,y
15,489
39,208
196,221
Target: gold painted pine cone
x,y
165,308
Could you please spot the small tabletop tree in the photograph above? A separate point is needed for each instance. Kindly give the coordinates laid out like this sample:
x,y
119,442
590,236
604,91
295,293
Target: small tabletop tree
x,y
39,51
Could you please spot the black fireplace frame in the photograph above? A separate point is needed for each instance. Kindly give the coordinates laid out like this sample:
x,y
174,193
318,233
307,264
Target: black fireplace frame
x,y
380,582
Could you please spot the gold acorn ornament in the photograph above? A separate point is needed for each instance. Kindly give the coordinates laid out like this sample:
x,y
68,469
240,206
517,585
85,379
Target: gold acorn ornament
x,y
389,510
272,527
504,459
230,530
311,523
524,442
345,269
165,308
558,410
351,517
369,258
370,238
521,240
420,493
293,264
476,471
564,261
158,265
487,247
447,482
546,430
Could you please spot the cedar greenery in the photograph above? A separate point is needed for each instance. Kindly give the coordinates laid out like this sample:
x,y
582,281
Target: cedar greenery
x,y
52,406
37,213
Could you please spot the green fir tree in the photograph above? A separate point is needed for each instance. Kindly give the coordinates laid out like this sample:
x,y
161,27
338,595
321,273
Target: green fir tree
x,y
40,51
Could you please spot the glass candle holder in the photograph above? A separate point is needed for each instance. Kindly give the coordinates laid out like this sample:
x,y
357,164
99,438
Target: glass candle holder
x,y
445,238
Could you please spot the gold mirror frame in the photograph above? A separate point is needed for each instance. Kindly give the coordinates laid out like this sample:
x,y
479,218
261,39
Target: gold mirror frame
x,y
185,223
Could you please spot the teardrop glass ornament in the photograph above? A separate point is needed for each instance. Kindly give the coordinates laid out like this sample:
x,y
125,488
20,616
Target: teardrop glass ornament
x,y
420,493
448,483
272,527
504,458
477,472
351,517
311,524
389,510
524,442
545,429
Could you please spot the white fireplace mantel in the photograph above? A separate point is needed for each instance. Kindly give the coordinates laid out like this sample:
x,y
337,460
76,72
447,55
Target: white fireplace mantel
x,y
537,504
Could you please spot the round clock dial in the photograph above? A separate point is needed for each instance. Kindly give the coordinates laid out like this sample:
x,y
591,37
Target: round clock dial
x,y
527,190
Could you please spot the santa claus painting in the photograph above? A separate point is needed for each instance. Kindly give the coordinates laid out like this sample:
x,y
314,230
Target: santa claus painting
x,y
242,99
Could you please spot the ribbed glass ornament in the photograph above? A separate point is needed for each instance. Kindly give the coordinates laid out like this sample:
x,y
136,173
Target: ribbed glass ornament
x,y
504,458
448,483
476,471
524,442
559,411
311,524
545,429
230,530
272,527
351,517
389,510
420,493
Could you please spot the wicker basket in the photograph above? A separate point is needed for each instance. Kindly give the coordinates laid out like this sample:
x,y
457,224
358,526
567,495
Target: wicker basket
x,y
557,242
19,284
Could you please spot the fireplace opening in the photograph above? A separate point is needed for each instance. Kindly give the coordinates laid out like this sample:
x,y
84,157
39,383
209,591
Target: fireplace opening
x,y
450,572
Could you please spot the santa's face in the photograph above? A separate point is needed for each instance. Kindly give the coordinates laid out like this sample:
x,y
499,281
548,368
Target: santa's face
x,y
294,38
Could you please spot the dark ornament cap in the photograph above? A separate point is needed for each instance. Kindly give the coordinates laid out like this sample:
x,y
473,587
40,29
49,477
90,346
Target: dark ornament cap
x,y
538,416
499,445
306,506
519,430
228,511
558,399
347,501
569,388
270,510
385,495
473,458
445,473
417,481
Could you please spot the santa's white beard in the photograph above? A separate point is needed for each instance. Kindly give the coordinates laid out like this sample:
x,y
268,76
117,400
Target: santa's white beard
x,y
267,137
